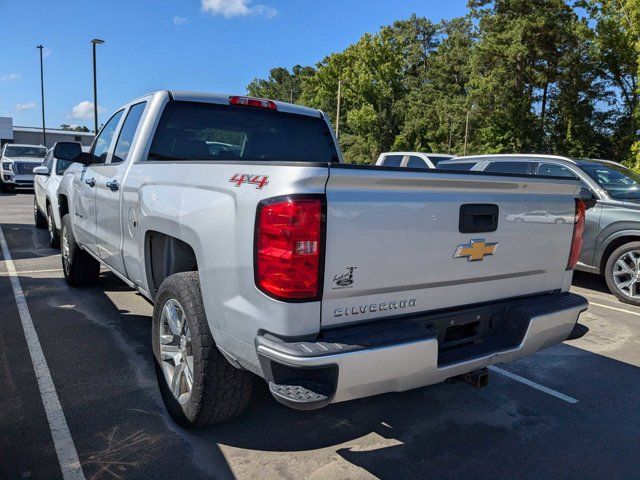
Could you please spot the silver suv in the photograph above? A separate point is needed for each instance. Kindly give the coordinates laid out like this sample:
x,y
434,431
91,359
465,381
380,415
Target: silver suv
x,y
611,245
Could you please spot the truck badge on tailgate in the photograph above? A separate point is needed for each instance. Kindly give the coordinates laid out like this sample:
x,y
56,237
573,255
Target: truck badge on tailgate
x,y
344,280
476,250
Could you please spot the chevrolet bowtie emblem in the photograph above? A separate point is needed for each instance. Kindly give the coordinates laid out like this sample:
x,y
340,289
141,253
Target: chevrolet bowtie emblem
x,y
476,250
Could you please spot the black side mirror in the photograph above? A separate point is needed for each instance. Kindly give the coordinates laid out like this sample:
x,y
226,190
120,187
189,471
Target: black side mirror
x,y
588,197
67,151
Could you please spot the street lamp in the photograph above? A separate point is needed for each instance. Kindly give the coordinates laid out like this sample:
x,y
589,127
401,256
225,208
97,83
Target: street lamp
x,y
44,133
94,42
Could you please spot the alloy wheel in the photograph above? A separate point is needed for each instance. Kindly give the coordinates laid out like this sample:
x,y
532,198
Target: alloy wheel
x,y
176,352
626,273
64,250
50,225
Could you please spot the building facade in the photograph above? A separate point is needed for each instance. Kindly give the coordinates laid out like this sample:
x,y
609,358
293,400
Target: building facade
x,y
33,135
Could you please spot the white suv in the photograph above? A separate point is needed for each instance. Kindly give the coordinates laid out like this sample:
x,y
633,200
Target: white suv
x,y
411,159
17,164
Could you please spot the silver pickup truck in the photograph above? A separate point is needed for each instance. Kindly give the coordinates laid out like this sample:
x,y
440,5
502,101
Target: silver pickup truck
x,y
266,256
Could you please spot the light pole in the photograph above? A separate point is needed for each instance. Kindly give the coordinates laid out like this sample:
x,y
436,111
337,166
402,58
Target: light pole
x,y
44,132
338,108
94,42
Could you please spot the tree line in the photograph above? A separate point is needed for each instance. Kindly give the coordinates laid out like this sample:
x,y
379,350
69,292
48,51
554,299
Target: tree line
x,y
544,76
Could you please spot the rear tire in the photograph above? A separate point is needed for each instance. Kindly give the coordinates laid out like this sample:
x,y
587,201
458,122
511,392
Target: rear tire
x,y
54,236
219,391
39,219
80,268
617,275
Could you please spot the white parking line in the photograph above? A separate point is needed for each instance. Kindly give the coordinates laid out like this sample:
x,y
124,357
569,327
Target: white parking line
x,y
614,308
535,385
62,441
31,272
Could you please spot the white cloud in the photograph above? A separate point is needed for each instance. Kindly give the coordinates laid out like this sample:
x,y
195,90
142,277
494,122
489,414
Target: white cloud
x,y
25,106
84,110
180,21
46,52
236,8
10,77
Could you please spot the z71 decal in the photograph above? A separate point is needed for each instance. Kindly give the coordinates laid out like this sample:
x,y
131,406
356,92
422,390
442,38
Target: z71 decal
x,y
258,180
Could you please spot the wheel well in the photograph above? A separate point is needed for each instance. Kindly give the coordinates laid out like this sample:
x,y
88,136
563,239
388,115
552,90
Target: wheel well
x,y
618,242
166,255
63,205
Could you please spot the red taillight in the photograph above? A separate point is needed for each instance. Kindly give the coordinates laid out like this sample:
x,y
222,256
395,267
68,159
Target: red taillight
x,y
288,247
253,102
578,230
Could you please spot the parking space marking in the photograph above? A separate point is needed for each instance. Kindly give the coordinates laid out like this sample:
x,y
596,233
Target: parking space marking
x,y
62,440
614,308
531,384
31,272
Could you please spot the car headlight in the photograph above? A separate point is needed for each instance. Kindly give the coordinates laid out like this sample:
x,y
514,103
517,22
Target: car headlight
x,y
7,166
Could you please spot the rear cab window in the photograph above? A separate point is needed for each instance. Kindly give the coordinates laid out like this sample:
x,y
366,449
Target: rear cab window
x,y
214,132
416,162
392,160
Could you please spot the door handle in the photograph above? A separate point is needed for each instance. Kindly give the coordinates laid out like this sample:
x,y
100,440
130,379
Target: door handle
x,y
113,185
91,182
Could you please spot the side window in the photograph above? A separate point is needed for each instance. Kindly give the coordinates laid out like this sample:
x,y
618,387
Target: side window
x,y
103,142
62,165
127,133
416,162
48,160
553,170
508,167
457,166
392,161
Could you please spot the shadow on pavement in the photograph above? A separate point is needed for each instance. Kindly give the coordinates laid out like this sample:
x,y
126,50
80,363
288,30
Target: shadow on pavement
x,y
590,281
101,362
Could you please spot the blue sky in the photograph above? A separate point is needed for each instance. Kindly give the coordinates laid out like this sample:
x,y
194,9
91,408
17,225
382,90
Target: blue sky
x,y
206,45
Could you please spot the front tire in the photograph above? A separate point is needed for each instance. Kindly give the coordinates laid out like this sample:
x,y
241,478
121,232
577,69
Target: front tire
x,y
80,268
622,273
198,384
39,219
54,237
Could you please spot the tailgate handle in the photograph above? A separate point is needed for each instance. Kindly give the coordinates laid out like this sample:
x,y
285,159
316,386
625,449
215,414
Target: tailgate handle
x,y
478,218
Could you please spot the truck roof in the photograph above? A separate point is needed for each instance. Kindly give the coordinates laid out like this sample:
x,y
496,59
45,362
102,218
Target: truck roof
x,y
223,99
524,157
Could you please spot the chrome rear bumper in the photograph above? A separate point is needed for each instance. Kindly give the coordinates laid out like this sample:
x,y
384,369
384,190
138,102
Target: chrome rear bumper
x,y
345,371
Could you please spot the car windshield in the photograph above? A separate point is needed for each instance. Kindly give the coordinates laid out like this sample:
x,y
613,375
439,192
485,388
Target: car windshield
x,y
204,131
618,181
36,152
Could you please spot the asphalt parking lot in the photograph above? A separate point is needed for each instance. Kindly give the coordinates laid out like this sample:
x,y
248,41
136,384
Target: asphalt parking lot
x,y
571,411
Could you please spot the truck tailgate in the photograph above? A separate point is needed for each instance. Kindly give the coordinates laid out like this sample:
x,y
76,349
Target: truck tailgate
x,y
394,244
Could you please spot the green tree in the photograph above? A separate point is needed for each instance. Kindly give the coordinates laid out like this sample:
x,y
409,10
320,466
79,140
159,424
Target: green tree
x,y
616,40
372,76
282,84
435,108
